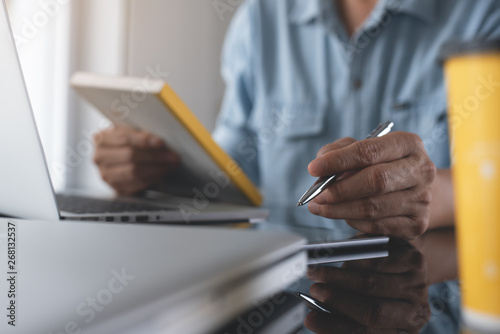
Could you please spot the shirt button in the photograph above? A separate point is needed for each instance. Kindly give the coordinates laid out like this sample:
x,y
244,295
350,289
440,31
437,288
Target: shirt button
x,y
357,83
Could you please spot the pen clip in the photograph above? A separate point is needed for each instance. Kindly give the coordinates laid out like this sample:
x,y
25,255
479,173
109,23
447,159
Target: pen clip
x,y
381,130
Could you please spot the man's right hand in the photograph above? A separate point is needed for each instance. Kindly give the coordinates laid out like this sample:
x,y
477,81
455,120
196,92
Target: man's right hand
x,y
130,160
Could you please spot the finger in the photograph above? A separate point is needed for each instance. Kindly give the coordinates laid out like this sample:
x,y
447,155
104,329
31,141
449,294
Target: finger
x,y
131,173
338,144
408,285
106,156
127,189
133,187
401,227
339,324
375,180
364,153
399,203
370,312
124,136
117,136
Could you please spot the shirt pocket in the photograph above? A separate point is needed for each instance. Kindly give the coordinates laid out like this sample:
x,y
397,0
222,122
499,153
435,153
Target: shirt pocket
x,y
288,121
427,117
417,115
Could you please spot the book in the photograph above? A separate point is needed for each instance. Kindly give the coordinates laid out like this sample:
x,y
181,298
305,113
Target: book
x,y
206,171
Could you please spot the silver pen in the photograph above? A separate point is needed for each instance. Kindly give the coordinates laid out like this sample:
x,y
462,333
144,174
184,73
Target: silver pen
x,y
325,181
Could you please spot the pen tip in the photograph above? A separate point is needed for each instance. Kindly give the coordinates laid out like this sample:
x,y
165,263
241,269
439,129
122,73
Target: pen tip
x,y
300,204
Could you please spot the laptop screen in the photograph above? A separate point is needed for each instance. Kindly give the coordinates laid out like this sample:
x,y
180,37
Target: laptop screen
x,y
26,190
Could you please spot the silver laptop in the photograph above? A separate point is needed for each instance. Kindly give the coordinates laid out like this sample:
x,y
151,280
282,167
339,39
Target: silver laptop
x,y
106,278
26,190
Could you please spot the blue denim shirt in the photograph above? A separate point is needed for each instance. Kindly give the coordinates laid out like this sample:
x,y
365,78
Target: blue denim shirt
x,y
295,81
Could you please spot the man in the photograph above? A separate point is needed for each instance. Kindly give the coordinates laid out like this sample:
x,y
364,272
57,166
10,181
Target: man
x,y
300,73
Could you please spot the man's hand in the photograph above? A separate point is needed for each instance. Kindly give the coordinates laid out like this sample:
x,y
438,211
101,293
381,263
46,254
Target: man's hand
x,y
130,160
387,189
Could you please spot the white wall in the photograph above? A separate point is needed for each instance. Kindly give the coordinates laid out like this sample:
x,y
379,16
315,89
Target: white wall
x,y
99,44
183,38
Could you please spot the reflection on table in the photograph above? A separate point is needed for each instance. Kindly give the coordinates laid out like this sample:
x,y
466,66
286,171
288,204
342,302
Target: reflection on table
x,y
412,290
402,292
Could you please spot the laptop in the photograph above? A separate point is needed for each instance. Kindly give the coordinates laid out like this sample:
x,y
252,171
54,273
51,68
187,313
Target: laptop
x,y
108,278
27,190
332,245
283,314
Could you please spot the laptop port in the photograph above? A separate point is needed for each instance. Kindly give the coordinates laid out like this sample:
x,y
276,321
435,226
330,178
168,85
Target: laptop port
x,y
89,219
125,219
142,218
110,219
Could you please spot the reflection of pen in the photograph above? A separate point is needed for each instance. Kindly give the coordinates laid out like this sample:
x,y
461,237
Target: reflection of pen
x,y
313,303
325,181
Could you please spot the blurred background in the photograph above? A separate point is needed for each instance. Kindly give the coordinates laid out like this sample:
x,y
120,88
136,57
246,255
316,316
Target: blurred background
x,y
178,39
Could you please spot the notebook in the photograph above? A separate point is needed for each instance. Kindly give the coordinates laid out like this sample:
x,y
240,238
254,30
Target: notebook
x,y
150,104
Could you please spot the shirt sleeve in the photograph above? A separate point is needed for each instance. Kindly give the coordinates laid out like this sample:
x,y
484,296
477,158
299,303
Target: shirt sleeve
x,y
232,131
490,27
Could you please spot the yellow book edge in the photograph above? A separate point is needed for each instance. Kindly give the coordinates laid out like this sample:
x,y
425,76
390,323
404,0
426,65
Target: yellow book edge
x,y
170,99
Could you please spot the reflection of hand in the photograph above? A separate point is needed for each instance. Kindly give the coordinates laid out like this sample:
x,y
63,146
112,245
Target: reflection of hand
x,y
130,160
377,296
391,192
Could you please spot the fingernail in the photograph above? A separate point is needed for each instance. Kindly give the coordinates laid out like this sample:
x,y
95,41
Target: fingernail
x,y
313,208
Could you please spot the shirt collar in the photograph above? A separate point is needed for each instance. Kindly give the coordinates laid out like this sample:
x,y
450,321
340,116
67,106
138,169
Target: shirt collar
x,y
424,10
305,11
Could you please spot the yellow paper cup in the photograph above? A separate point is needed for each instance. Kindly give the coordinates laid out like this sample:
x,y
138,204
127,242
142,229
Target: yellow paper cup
x,y
472,73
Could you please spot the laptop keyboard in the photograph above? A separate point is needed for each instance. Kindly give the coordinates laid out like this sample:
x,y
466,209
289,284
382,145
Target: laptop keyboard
x,y
83,205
